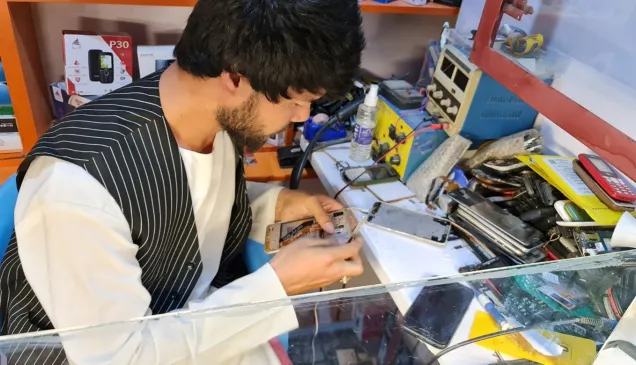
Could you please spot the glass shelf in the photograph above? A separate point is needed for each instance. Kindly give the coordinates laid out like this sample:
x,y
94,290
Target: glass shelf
x,y
574,304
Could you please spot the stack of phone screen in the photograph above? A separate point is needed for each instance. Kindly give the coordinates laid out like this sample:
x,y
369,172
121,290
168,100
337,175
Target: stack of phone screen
x,y
501,230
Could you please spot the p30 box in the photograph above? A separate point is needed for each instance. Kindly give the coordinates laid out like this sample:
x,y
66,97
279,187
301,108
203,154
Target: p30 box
x,y
96,64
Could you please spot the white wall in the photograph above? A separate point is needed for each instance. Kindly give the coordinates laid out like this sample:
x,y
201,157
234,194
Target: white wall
x,y
395,43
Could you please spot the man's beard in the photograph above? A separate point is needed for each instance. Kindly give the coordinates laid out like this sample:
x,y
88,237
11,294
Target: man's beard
x,y
242,125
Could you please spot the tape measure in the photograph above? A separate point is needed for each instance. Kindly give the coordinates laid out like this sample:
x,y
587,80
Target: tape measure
x,y
521,46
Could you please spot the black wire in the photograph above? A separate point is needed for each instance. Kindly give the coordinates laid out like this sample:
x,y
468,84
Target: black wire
x,y
426,119
497,334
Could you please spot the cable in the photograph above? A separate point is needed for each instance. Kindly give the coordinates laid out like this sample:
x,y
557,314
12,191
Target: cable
x,y
413,133
344,113
502,333
313,338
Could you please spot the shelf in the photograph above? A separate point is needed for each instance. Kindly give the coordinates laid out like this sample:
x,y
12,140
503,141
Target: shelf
x,y
10,159
401,7
369,6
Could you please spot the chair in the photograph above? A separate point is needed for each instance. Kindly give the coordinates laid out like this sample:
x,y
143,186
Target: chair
x,y
8,197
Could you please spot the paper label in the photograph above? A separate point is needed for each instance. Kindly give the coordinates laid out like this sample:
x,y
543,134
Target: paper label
x,y
363,136
563,168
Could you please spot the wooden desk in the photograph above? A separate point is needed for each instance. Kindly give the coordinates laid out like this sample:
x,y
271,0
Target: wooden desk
x,y
267,169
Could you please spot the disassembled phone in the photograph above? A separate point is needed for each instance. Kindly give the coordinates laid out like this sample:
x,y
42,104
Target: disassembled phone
x,y
611,182
376,174
417,225
598,190
281,234
437,312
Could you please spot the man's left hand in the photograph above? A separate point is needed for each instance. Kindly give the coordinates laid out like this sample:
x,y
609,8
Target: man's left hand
x,y
292,205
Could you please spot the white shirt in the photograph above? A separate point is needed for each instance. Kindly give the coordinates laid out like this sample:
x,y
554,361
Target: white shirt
x,y
78,256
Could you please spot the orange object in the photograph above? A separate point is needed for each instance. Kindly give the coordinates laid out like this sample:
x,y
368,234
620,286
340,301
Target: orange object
x,y
267,169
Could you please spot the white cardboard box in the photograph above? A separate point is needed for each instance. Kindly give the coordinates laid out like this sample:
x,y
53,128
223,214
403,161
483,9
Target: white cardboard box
x,y
153,58
97,64
10,142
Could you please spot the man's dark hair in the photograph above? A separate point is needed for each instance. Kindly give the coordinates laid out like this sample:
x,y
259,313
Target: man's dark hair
x,y
306,45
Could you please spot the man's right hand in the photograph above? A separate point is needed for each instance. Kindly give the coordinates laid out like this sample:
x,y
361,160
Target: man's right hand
x,y
309,264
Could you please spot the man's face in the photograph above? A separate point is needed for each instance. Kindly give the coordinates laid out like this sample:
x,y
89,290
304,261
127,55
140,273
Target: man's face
x,y
251,123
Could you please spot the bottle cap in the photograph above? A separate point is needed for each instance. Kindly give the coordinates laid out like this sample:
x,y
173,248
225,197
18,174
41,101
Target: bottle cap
x,y
371,99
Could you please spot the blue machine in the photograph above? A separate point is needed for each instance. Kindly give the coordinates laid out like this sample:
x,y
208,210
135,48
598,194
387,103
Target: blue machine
x,y
337,131
474,105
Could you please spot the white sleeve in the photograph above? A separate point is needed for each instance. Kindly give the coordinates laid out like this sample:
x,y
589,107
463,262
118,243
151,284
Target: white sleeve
x,y
263,199
78,256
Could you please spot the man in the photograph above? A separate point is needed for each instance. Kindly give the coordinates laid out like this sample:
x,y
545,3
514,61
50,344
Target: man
x,y
136,204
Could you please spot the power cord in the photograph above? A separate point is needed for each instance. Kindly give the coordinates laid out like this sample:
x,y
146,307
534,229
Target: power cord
x,y
588,321
313,338
411,134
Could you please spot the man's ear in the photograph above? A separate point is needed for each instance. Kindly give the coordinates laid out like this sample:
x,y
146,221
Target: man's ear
x,y
231,82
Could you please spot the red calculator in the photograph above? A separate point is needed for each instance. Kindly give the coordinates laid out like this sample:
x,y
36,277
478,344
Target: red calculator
x,y
613,184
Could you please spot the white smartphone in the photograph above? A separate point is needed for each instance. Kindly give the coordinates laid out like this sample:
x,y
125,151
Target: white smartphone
x,y
417,225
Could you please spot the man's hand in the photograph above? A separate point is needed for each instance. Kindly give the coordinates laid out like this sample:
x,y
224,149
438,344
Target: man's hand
x,y
308,264
292,205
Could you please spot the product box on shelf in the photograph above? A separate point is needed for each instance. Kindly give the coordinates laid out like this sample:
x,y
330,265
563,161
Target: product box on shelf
x,y
64,103
5,101
96,64
3,77
59,99
8,124
10,142
153,58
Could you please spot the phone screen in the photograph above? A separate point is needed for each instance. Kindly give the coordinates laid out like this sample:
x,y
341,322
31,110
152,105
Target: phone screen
x,y
409,222
106,62
437,312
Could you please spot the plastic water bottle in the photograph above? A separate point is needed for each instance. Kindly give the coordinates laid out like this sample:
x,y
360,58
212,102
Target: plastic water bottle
x,y
360,150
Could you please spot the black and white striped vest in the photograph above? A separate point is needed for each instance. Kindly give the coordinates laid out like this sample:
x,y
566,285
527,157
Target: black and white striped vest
x,y
124,142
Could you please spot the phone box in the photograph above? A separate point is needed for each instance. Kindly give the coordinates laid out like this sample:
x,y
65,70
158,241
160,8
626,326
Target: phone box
x,y
96,64
3,77
10,142
154,58
59,99
63,103
5,101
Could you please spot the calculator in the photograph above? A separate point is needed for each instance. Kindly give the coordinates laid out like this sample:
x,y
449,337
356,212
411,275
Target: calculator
x,y
613,184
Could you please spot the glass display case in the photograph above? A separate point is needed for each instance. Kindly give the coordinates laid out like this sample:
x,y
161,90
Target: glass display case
x,y
571,61
559,312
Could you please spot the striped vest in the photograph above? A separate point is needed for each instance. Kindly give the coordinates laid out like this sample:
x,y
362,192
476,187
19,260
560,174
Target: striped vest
x,y
122,139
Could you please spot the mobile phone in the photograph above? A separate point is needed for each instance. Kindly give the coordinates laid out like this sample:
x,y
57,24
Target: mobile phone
x,y
499,220
281,234
94,64
437,312
599,191
106,68
493,180
504,167
611,182
376,174
414,224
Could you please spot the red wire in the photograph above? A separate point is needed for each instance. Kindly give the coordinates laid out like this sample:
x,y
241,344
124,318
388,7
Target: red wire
x,y
410,135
